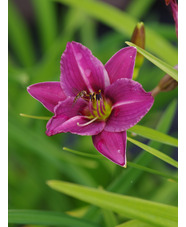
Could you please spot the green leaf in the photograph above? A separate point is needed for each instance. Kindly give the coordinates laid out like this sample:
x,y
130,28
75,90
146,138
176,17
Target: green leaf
x,y
130,207
20,38
156,61
134,165
37,217
154,135
45,14
109,218
82,153
134,223
153,171
154,152
138,8
124,23
47,149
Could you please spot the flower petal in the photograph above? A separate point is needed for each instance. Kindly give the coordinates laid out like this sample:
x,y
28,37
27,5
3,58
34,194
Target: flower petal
x,y
80,70
68,118
121,65
129,104
112,145
48,93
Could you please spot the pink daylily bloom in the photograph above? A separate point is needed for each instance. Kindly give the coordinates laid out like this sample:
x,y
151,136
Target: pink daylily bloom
x,y
93,99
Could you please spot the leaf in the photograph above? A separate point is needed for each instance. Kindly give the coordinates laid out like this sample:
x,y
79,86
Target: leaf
x,y
130,207
37,217
153,171
156,61
109,218
154,152
82,153
124,23
134,165
154,135
48,150
20,38
134,223
138,8
45,14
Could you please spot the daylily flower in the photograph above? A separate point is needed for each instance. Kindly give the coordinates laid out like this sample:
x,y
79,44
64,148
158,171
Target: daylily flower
x,y
93,99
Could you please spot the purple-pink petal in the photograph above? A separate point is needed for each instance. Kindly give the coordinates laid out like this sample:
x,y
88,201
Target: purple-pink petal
x,y
112,145
69,118
80,70
48,93
129,104
174,7
121,65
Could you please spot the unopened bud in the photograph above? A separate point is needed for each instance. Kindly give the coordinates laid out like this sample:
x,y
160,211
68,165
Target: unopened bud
x,y
167,83
138,38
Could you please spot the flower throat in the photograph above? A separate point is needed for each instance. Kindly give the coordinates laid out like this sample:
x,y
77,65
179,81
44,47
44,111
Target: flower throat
x,y
98,107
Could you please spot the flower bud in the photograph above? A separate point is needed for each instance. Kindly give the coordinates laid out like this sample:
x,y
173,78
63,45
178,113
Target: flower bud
x,y
167,83
138,38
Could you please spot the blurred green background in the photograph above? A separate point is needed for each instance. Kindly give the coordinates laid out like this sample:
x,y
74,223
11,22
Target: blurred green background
x,y
38,33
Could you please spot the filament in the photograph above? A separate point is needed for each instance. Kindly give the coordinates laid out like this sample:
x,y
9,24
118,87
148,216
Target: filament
x,y
98,106
87,123
102,107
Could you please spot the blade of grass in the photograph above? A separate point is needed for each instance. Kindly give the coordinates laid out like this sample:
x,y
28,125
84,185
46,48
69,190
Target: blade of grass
x,y
20,38
154,152
37,217
153,134
45,13
124,23
130,207
156,61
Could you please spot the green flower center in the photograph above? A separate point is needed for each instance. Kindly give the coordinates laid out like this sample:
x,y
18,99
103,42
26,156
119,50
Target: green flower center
x,y
101,109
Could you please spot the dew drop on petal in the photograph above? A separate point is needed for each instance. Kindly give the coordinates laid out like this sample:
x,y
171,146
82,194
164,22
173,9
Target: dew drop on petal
x,y
88,72
79,56
119,151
